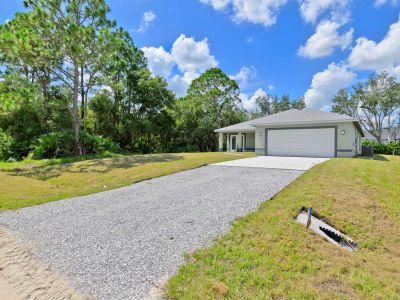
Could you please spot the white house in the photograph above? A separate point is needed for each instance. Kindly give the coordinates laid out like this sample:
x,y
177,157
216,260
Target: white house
x,y
306,132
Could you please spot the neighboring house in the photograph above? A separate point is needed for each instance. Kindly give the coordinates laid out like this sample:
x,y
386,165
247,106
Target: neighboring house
x,y
384,138
306,132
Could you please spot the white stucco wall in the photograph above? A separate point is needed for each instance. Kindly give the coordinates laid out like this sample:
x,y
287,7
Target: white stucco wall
x,y
348,144
260,141
250,141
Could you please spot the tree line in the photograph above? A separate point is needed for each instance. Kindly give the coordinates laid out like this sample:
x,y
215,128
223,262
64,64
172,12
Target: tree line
x,y
73,83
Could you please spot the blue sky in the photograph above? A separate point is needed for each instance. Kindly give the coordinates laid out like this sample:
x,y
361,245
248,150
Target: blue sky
x,y
296,47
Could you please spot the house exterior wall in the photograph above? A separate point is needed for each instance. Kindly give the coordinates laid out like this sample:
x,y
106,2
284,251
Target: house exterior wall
x,y
348,144
260,141
249,141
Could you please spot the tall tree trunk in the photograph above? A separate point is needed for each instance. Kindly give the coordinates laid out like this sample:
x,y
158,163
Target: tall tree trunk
x,y
82,98
75,112
86,104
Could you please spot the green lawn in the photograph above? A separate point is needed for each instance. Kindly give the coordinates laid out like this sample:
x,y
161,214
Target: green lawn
x,y
34,182
267,255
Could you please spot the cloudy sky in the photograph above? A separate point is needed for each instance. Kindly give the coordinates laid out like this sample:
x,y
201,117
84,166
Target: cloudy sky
x,y
308,48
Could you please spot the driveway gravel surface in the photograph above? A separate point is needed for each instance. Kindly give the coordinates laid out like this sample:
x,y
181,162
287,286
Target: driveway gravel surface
x,y
119,244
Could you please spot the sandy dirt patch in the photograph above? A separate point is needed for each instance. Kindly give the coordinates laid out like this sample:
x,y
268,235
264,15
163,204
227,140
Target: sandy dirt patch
x,y
24,277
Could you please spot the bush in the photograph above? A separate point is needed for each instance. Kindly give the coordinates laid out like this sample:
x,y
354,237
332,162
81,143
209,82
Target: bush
x,y
6,144
391,148
92,143
60,144
54,144
188,148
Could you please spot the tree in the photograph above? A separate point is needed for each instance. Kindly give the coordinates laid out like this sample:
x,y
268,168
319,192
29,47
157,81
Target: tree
x,y
212,102
376,103
276,106
219,92
133,109
25,112
299,103
264,106
69,39
344,103
271,104
284,103
20,103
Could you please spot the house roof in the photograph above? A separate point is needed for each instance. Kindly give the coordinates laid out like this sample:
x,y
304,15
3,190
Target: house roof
x,y
294,117
244,126
307,115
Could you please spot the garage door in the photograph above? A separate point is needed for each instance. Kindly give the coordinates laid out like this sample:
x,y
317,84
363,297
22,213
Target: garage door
x,y
317,142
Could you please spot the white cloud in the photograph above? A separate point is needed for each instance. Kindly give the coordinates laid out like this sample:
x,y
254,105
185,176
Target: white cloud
x,y
148,18
312,9
6,21
217,4
249,39
271,87
245,74
257,11
160,62
325,39
179,84
393,71
369,55
192,56
249,104
262,12
327,83
383,2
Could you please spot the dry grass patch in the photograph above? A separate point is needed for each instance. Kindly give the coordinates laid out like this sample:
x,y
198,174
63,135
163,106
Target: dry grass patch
x,y
269,255
24,184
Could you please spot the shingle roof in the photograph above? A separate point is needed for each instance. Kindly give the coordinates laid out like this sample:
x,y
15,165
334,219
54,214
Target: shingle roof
x,y
245,126
306,115
292,116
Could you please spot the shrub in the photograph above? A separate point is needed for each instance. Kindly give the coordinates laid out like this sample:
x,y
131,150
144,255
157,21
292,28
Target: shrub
x,y
391,148
188,148
54,144
191,148
60,144
92,143
6,144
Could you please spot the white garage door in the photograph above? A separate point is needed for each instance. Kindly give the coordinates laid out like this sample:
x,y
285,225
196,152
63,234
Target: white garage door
x,y
318,142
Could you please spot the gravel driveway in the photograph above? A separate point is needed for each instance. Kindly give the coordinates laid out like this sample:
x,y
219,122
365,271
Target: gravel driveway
x,y
120,243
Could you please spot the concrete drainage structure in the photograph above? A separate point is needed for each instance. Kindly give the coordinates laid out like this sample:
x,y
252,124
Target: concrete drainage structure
x,y
311,220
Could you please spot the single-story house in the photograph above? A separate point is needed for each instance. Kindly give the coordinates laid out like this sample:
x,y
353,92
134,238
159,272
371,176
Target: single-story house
x,y
305,132
384,138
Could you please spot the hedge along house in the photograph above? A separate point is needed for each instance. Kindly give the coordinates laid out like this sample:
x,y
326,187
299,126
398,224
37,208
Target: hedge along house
x,y
306,132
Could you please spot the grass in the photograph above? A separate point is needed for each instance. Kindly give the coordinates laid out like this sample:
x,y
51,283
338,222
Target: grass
x,y
5,166
267,255
33,182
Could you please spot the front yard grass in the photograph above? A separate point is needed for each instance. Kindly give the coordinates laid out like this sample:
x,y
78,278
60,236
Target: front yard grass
x,y
34,182
267,255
